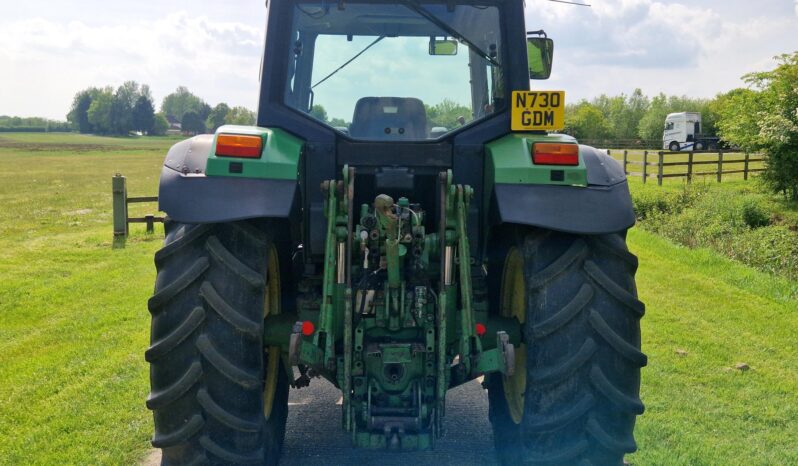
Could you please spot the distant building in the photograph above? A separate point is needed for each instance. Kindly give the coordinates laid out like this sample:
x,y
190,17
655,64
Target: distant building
x,y
174,125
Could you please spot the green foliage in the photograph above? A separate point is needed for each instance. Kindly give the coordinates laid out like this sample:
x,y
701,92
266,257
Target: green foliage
x,y
105,111
586,121
143,117
193,123
101,111
755,213
32,124
651,201
339,123
773,250
217,116
447,114
240,116
181,102
623,113
160,125
736,223
739,112
79,113
319,112
765,117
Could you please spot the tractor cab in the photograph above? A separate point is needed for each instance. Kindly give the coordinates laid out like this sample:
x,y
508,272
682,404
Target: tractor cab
x,y
395,71
398,70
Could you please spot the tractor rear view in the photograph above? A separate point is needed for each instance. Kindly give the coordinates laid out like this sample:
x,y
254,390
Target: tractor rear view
x,y
399,222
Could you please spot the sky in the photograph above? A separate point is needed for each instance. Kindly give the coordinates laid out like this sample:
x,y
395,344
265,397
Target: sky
x,y
51,49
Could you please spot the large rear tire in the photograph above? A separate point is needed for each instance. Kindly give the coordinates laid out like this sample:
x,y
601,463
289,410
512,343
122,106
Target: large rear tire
x,y
575,395
209,372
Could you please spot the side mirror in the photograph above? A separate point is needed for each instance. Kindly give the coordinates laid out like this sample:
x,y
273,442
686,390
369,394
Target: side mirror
x,y
442,46
540,55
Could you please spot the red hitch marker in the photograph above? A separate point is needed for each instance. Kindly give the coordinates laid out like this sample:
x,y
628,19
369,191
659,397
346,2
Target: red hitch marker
x,y
308,328
481,329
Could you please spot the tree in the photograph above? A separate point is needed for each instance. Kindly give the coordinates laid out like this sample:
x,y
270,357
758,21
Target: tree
x,y
160,125
317,111
765,118
101,111
217,116
586,121
143,115
125,99
240,116
339,123
193,123
447,114
204,110
181,102
79,113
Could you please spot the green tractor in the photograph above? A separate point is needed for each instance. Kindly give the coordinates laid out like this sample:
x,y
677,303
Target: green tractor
x,y
400,221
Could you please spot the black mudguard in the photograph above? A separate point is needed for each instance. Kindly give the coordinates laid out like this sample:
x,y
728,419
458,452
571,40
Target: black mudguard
x,y
187,195
604,206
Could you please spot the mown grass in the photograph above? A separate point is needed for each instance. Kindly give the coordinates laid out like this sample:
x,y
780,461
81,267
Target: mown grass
x,y
700,409
73,317
74,325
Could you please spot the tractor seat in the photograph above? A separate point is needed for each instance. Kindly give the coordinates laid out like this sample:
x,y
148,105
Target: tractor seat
x,y
389,118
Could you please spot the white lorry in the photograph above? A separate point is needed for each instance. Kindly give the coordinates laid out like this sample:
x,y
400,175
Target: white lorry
x,y
683,133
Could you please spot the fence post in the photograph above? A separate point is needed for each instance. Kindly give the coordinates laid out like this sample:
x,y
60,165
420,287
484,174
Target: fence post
x,y
720,166
625,161
119,189
659,168
645,166
745,170
150,221
690,167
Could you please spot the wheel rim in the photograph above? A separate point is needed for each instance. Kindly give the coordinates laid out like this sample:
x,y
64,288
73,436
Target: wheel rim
x,y
271,306
513,304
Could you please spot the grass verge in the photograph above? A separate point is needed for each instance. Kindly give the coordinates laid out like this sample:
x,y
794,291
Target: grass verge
x,y
705,314
73,316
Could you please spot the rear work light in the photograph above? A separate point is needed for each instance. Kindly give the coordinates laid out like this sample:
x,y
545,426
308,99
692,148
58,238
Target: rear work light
x,y
237,145
550,153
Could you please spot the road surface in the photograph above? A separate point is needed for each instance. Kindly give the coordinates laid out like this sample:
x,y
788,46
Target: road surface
x,y
314,435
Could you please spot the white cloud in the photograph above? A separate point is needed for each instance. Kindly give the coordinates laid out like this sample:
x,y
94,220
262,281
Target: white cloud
x,y
48,50
672,47
52,60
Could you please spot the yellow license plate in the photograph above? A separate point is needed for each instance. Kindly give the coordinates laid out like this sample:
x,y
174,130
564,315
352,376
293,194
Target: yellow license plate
x,y
538,111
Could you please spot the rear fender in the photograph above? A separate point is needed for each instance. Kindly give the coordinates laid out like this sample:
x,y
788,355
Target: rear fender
x,y
592,198
191,191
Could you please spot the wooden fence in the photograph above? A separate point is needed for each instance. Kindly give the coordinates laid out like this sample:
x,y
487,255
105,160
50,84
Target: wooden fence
x,y
640,144
654,164
121,201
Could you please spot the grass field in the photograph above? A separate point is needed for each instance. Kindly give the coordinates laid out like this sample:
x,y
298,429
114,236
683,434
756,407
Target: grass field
x,y
74,324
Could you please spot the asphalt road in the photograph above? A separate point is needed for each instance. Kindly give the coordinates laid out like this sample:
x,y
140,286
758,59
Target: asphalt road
x,y
314,435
